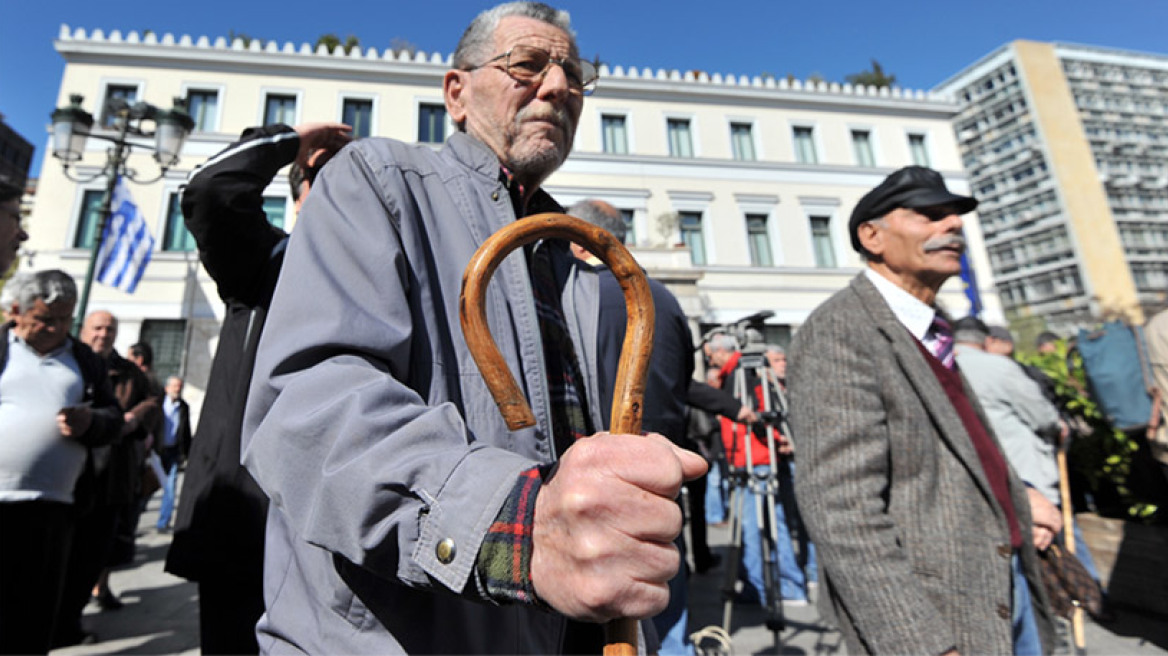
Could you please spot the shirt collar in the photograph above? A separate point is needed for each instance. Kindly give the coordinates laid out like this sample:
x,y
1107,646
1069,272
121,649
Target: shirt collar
x,y
909,310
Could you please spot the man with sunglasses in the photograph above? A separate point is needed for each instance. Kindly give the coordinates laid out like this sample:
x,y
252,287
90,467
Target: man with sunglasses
x,y
405,516
923,531
219,530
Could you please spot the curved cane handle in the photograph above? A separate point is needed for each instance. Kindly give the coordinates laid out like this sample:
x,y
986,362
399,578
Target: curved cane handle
x,y
634,361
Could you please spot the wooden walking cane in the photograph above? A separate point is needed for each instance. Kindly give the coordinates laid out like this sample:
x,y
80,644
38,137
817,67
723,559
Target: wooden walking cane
x,y
1069,538
621,634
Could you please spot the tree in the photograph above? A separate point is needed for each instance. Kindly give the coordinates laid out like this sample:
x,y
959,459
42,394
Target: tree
x,y
400,45
876,77
233,35
332,42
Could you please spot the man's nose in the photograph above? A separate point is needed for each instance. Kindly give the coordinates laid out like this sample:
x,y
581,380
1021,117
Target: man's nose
x,y
554,83
953,222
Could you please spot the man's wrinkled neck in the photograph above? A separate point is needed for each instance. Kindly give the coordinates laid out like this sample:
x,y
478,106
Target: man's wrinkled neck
x,y
923,290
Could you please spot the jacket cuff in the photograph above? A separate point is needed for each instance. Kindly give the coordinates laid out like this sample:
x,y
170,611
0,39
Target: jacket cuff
x,y
503,565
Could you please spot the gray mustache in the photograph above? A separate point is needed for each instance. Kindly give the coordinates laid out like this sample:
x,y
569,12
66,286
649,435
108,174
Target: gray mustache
x,y
555,115
947,241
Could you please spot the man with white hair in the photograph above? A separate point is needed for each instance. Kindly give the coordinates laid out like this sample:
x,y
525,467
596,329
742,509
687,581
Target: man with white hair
x,y
405,516
55,401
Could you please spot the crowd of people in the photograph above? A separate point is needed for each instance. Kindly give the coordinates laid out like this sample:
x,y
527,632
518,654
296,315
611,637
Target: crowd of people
x,y
352,487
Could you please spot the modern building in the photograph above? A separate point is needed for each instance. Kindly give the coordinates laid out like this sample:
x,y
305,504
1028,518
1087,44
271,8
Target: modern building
x,y
1067,148
737,190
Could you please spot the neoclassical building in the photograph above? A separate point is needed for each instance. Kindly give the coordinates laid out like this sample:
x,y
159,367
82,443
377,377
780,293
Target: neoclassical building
x,y
737,189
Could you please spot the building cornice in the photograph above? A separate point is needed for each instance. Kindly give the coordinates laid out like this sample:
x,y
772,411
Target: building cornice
x,y
617,82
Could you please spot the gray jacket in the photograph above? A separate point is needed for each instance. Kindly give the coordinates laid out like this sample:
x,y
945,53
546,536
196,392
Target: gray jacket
x,y
915,550
1023,420
368,424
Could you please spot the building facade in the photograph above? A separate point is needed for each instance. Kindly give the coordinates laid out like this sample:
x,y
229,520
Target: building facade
x,y
737,190
1067,148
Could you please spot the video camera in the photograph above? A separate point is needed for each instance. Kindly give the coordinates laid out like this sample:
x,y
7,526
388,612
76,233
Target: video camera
x,y
750,340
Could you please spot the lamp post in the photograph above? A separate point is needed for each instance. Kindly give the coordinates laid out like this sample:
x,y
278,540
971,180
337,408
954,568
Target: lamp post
x,y
73,125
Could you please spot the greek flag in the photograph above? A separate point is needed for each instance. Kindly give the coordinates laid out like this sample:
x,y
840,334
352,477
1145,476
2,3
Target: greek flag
x,y
126,244
969,281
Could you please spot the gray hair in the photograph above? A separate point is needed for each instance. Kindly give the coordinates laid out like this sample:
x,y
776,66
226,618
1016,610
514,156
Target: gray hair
x,y
864,254
723,342
51,286
970,330
775,348
597,213
475,45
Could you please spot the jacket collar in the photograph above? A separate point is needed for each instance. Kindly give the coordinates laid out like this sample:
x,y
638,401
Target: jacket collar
x,y
920,376
476,156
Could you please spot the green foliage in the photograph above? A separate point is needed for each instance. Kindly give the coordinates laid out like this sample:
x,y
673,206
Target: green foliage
x,y
332,42
400,45
232,35
876,77
1100,452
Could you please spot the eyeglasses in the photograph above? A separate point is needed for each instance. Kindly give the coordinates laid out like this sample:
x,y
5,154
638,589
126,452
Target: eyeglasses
x,y
529,65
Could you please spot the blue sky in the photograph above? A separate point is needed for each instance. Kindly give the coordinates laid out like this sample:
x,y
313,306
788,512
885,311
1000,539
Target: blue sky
x,y
922,43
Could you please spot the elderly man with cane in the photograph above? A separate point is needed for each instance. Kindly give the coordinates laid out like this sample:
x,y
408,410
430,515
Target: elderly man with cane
x,y
405,516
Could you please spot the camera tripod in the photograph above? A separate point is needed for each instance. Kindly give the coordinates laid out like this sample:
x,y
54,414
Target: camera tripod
x,y
760,483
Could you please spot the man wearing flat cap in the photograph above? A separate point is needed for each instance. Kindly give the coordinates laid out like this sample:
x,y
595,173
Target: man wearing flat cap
x,y
923,530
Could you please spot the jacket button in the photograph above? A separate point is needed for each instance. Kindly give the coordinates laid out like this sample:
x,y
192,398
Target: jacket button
x,y
1004,611
494,195
445,551
1005,551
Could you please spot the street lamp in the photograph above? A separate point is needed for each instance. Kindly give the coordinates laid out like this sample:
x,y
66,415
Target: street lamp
x,y
72,125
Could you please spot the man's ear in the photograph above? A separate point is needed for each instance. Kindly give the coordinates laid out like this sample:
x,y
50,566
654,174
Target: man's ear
x,y
453,92
871,237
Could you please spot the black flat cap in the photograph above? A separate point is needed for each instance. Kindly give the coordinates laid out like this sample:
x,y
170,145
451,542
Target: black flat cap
x,y
911,187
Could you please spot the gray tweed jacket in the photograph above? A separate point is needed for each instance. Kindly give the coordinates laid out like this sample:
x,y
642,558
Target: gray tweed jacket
x,y
914,548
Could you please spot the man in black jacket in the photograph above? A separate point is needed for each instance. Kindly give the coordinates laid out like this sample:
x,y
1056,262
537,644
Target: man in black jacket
x,y
219,531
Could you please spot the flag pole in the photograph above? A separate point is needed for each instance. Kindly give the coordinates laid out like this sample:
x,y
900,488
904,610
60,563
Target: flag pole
x,y
117,160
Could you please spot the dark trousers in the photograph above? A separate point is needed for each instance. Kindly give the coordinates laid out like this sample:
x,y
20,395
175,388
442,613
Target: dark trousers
x,y
229,607
33,552
92,540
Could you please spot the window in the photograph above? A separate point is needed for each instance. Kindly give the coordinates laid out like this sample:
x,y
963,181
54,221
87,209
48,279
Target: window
x,y
742,142
862,145
680,139
358,114
821,242
918,149
177,237
759,240
126,92
280,108
89,219
204,108
168,339
276,208
616,139
630,227
805,145
431,123
690,224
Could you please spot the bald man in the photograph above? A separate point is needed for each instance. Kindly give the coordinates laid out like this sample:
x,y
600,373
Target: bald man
x,y
104,536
